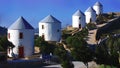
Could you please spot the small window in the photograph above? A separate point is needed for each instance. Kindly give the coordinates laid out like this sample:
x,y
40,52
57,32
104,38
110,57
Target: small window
x,y
42,26
8,35
90,20
58,30
79,25
21,35
79,18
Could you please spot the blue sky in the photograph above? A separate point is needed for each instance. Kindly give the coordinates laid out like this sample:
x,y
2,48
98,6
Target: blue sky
x,y
35,10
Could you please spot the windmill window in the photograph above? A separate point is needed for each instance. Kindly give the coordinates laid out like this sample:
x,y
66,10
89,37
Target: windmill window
x,y
8,35
42,26
21,35
79,18
58,30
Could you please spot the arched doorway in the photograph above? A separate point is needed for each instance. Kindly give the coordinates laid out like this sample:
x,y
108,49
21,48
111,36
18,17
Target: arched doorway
x,y
79,25
43,36
21,51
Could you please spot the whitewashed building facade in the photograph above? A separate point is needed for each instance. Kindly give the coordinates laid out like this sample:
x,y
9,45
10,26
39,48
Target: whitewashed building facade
x,y
50,29
21,34
98,7
90,15
78,20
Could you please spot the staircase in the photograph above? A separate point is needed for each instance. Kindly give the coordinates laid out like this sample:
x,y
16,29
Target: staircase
x,y
91,37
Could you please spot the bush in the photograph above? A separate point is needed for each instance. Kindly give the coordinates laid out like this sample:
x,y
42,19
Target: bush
x,y
3,58
91,26
101,19
67,64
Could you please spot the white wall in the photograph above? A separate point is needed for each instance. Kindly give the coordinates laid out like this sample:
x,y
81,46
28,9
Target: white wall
x,y
27,41
90,15
50,31
76,21
98,9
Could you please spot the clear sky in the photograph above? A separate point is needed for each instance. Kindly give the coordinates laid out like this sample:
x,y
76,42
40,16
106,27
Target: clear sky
x,y
35,10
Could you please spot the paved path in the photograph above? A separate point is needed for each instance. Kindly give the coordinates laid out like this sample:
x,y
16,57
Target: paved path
x,y
77,64
91,37
101,25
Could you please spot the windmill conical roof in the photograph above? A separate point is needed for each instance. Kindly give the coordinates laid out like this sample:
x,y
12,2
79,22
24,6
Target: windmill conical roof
x,y
90,9
98,4
50,19
20,23
78,13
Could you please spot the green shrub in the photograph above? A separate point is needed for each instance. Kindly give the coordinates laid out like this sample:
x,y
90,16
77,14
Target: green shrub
x,y
67,64
91,26
3,58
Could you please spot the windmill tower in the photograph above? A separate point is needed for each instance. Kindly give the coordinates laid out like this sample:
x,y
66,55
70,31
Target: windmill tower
x,y
78,19
98,7
50,29
21,34
90,15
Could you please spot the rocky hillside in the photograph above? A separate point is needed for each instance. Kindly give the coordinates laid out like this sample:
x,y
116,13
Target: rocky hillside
x,y
110,27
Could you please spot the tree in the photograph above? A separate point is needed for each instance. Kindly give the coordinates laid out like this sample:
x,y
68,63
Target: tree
x,y
114,49
63,56
65,34
101,19
91,26
67,64
107,52
79,48
82,53
102,56
4,44
45,47
82,34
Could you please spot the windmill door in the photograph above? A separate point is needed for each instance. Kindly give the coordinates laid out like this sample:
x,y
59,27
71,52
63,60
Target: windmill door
x,y
43,36
79,25
21,52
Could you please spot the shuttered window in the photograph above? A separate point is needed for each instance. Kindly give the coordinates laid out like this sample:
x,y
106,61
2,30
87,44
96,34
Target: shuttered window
x,y
21,35
42,26
58,30
8,35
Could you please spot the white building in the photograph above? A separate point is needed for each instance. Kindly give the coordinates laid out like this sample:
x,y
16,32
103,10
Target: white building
x,y
50,28
78,20
98,7
21,34
90,15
